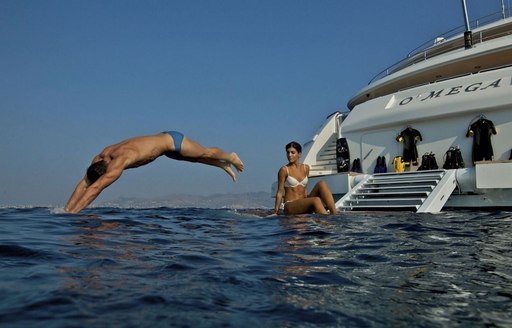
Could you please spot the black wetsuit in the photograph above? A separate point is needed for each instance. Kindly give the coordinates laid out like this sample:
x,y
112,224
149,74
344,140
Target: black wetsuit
x,y
409,137
481,131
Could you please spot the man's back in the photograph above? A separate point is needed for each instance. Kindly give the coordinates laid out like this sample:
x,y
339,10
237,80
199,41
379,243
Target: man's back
x,y
135,152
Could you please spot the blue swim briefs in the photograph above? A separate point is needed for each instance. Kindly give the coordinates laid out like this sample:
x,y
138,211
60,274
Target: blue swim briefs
x,y
178,139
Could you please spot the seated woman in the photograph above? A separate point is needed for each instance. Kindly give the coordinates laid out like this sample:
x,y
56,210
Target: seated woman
x,y
293,178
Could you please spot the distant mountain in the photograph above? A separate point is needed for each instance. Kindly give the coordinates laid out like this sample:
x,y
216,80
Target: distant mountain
x,y
236,201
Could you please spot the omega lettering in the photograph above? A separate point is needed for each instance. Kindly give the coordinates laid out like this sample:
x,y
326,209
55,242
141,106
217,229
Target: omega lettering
x,y
433,94
456,90
473,87
406,101
495,84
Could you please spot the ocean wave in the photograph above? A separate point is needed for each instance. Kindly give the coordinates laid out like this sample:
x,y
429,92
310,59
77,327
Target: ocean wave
x,y
225,267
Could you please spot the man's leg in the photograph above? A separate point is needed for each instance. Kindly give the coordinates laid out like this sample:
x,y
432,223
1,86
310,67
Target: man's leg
x,y
192,151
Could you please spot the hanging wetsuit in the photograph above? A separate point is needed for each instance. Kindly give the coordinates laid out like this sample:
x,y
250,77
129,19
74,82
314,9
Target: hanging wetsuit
x,y
409,137
481,131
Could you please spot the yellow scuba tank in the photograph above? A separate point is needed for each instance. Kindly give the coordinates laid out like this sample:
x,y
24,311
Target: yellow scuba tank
x,y
398,164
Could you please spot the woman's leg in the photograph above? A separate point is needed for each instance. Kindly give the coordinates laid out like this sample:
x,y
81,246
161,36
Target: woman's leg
x,y
322,191
305,206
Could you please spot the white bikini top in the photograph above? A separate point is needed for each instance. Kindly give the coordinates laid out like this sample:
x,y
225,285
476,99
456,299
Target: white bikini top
x,y
291,182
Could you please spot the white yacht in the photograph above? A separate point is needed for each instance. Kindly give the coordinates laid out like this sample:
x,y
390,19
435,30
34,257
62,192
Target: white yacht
x,y
433,131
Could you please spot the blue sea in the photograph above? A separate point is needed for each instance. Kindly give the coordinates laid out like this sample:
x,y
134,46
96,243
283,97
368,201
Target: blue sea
x,y
189,267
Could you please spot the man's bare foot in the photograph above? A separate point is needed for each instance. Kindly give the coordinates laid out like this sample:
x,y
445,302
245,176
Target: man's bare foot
x,y
227,167
236,162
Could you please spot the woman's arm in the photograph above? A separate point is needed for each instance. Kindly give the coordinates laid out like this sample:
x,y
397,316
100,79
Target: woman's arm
x,y
281,176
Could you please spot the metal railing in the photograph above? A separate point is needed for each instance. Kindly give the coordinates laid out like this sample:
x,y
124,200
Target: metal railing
x,y
442,43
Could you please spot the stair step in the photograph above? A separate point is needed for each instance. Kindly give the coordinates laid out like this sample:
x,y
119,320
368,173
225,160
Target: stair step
x,y
412,173
400,179
393,176
423,191
324,162
397,193
406,182
331,169
376,207
385,200
395,187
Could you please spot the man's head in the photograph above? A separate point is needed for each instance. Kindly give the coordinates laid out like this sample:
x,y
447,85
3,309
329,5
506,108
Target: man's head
x,y
96,170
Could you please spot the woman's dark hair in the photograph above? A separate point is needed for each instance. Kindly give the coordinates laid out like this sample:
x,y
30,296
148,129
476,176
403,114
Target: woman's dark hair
x,y
96,170
295,145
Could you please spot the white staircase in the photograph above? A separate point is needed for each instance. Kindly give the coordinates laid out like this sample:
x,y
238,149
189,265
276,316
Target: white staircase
x,y
420,191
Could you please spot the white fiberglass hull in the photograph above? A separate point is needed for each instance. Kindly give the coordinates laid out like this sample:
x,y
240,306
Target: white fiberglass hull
x,y
442,113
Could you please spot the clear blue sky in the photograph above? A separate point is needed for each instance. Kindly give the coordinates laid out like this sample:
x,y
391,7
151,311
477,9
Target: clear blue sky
x,y
245,75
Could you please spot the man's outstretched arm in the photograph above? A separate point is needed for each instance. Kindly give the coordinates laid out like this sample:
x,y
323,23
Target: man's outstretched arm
x,y
77,194
85,194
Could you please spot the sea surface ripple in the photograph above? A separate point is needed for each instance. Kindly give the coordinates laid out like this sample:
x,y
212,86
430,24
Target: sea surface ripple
x,y
188,267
